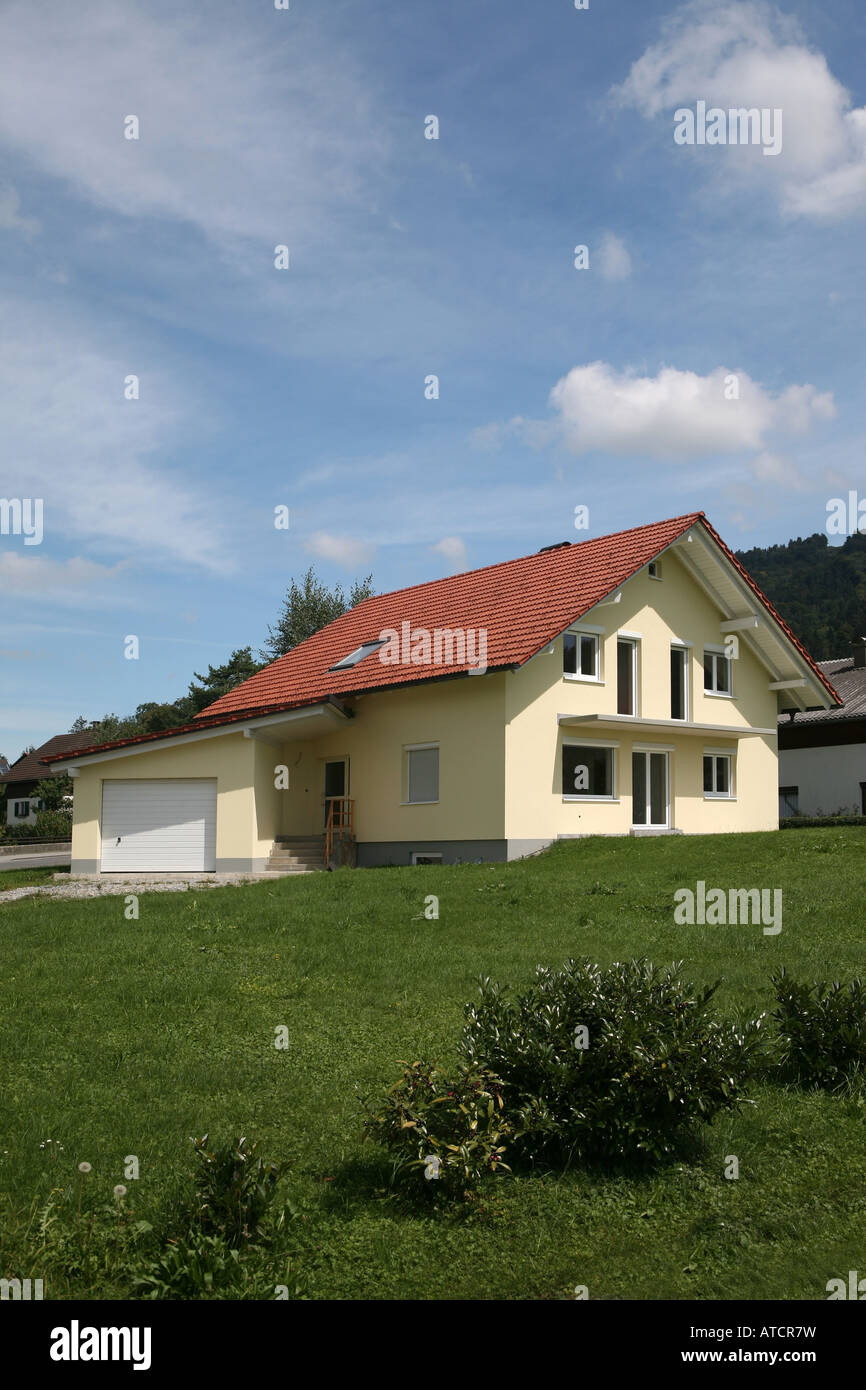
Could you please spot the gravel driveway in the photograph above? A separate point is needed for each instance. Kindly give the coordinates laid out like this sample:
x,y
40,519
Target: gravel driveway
x,y
100,888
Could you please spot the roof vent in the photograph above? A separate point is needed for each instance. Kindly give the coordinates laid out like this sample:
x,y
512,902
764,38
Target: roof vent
x,y
558,546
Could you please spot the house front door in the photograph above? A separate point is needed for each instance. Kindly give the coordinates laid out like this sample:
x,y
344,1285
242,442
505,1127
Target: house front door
x,y
650,790
336,779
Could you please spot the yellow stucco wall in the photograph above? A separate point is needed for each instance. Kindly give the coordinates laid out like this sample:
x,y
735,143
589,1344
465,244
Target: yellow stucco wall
x,y
661,611
466,719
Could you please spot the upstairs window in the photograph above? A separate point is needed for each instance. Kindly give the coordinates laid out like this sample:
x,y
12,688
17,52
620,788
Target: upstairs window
x,y
581,655
679,683
358,655
717,673
626,676
654,569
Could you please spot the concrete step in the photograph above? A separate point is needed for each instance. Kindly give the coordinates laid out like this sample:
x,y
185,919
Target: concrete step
x,y
296,862
312,855
288,873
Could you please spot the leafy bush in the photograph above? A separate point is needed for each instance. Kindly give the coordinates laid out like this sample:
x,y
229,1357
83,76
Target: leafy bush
x,y
54,825
234,1188
821,1029
652,1063
11,834
449,1131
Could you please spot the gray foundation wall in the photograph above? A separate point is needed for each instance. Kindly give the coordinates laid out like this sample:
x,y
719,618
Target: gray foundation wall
x,y
380,854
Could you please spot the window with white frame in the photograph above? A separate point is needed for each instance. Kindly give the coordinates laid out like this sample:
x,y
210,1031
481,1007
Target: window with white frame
x,y
718,774
717,672
581,656
626,675
421,773
21,808
588,771
679,682
423,856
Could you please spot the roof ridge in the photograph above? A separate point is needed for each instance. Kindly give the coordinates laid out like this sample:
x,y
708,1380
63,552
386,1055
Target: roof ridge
x,y
516,559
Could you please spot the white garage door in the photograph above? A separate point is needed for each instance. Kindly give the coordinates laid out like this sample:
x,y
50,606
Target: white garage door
x,y
153,827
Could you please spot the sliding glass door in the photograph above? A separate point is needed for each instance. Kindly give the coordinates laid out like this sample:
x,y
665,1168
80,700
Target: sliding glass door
x,y
650,782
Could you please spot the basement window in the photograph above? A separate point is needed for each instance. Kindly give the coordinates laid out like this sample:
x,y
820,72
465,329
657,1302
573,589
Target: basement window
x,y
358,655
423,856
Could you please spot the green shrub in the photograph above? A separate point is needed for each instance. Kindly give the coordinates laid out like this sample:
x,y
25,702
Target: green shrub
x,y
233,1189
446,1131
652,1064
54,824
821,1029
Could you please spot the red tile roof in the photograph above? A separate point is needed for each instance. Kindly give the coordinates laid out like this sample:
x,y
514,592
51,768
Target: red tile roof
x,y
522,604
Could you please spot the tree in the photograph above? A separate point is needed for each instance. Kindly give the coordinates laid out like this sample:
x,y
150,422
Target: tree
x,y
221,679
108,728
307,608
152,718
51,792
54,817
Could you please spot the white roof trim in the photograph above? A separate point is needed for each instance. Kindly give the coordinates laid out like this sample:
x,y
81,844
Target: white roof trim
x,y
244,726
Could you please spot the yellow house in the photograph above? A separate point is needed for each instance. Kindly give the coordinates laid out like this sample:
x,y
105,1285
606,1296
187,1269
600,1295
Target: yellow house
x,y
625,685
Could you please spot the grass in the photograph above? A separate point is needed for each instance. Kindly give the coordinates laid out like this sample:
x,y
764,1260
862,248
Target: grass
x,y
29,878
126,1037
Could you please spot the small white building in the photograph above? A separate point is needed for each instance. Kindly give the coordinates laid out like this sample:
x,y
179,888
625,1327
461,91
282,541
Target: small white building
x,y
822,752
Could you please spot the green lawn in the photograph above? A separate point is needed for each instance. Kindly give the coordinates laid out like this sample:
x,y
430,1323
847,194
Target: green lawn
x,y
29,878
127,1037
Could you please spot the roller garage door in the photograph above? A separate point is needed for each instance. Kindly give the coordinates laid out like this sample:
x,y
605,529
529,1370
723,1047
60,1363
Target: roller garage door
x,y
159,826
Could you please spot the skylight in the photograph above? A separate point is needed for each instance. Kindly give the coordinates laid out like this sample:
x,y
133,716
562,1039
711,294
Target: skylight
x,y
358,655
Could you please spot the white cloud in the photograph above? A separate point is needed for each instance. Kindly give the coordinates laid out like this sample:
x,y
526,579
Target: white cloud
x,y
71,438
612,257
774,468
245,131
675,414
30,576
747,54
339,550
452,549
10,213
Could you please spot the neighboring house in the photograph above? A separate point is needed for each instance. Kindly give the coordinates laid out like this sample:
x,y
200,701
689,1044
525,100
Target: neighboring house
x,y
21,778
627,684
822,753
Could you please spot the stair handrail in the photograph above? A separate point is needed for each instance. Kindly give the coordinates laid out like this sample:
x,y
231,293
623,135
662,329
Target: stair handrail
x,y
345,820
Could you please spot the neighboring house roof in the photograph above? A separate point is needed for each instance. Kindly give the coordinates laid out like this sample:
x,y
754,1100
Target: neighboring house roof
x,y
30,767
850,683
522,605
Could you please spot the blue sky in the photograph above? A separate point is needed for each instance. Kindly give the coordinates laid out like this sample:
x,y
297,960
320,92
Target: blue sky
x,y
409,257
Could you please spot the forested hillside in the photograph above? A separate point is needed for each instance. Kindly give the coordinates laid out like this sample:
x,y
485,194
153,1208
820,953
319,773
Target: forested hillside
x,y
819,589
